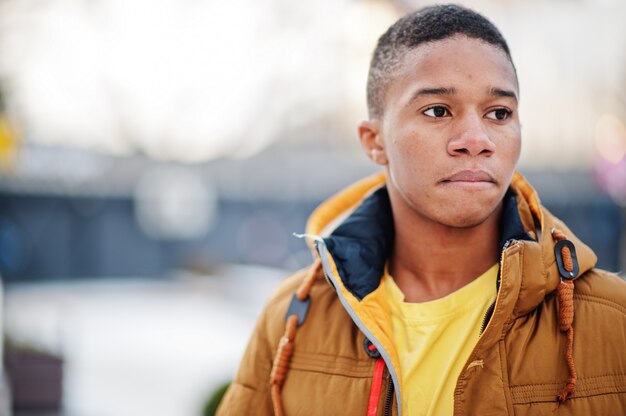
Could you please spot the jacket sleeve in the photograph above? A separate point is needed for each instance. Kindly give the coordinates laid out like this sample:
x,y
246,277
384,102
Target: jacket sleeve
x,y
249,393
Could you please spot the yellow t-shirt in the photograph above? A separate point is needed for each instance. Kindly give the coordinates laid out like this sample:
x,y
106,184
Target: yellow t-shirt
x,y
434,340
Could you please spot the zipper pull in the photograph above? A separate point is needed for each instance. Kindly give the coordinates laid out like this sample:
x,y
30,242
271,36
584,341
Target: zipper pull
x,y
370,348
377,378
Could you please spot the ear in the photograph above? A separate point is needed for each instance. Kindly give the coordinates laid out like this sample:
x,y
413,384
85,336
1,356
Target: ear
x,y
372,141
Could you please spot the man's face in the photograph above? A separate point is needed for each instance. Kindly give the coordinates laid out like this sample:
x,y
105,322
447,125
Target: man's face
x,y
450,134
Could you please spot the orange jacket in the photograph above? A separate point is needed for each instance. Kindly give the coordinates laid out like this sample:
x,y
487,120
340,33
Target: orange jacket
x,y
519,364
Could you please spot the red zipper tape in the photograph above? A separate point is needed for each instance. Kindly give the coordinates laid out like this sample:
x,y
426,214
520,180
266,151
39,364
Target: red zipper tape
x,y
377,384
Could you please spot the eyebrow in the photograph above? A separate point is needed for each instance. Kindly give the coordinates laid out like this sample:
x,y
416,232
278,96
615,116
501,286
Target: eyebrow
x,y
432,91
497,92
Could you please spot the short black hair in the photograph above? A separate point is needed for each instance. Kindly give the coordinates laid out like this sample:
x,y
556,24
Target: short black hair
x,y
425,25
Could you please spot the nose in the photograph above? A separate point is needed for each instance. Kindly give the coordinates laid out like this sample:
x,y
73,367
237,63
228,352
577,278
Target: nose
x,y
470,138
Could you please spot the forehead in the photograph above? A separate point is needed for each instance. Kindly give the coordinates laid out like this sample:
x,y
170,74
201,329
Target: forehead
x,y
461,63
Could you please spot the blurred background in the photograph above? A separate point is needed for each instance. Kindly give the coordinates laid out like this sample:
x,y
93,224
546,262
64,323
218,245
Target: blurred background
x,y
156,157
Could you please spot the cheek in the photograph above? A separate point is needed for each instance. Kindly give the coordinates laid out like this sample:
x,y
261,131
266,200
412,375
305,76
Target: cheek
x,y
409,161
516,148
411,147
416,163
510,146
411,175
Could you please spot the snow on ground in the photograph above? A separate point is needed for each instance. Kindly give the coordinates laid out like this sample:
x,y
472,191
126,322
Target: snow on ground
x,y
142,346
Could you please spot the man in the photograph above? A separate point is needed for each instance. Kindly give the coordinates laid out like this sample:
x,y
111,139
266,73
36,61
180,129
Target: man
x,y
449,288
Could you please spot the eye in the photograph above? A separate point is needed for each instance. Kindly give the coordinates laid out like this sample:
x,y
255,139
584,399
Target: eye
x,y
437,111
499,114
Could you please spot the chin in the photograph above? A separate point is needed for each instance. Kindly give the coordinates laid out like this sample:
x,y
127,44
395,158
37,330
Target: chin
x,y
470,212
464,218
464,222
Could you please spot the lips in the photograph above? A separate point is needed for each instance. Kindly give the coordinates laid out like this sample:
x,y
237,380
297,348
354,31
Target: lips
x,y
470,176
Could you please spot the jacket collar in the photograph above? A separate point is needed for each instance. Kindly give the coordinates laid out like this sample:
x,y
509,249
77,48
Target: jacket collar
x,y
357,228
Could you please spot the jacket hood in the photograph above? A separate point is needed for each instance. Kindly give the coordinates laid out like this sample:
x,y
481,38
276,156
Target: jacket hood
x,y
356,226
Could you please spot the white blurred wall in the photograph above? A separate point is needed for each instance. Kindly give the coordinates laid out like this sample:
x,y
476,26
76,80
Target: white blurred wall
x,y
192,81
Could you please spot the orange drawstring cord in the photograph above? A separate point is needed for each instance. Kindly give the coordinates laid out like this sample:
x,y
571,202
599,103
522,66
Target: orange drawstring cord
x,y
286,343
281,363
565,296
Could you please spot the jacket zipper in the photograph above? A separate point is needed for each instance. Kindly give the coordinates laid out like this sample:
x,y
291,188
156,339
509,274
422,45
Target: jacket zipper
x,y
322,251
487,318
489,313
389,397
508,244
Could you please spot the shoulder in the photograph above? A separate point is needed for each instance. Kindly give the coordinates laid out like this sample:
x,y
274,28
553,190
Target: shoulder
x,y
602,292
287,287
249,393
327,329
275,312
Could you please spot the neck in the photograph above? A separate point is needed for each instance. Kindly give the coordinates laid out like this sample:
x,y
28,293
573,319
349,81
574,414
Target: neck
x,y
431,260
